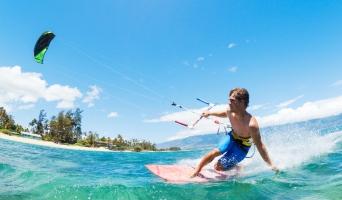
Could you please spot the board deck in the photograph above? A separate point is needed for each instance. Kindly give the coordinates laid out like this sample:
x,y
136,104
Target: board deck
x,y
181,174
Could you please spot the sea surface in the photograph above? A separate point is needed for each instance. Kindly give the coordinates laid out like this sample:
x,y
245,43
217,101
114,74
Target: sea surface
x,y
309,156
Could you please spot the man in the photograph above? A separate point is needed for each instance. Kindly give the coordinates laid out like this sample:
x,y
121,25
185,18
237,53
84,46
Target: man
x,y
235,146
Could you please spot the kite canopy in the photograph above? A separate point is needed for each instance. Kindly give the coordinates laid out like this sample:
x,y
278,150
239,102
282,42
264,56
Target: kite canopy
x,y
42,45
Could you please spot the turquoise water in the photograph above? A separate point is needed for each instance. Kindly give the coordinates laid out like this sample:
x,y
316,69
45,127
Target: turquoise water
x,y
310,159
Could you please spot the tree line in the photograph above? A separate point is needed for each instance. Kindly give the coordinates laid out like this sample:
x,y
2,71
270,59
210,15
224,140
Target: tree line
x,y
7,123
118,143
66,128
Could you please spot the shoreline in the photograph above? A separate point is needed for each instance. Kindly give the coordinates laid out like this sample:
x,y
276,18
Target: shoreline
x,y
63,146
50,144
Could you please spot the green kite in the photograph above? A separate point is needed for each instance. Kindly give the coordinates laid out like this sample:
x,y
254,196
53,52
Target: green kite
x,y
42,45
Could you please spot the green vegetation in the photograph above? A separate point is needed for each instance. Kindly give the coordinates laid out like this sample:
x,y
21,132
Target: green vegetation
x,y
117,144
66,128
63,128
8,132
170,149
7,123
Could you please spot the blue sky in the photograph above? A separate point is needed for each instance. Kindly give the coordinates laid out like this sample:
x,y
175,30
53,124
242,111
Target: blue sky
x,y
124,62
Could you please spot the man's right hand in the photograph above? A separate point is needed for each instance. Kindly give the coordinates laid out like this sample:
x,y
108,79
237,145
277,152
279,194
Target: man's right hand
x,y
205,113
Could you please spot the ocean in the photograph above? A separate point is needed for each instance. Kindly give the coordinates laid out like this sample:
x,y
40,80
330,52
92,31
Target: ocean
x,y
309,156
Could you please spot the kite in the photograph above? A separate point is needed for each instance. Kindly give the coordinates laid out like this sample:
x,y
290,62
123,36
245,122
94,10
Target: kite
x,y
42,45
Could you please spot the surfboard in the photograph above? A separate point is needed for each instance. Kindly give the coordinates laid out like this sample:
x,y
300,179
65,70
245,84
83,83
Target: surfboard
x,y
181,174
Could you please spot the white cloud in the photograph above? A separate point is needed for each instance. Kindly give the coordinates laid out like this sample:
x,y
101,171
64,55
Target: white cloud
x,y
186,63
337,83
256,107
289,102
231,45
189,117
112,115
200,59
92,95
194,63
24,89
308,111
7,107
25,106
233,69
65,95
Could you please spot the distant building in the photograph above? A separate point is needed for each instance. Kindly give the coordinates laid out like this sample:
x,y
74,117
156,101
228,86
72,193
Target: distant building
x,y
31,135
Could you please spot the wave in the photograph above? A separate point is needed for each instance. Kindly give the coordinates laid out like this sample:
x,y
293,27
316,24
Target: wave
x,y
288,150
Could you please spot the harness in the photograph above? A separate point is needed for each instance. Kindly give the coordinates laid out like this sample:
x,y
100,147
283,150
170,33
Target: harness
x,y
244,143
247,142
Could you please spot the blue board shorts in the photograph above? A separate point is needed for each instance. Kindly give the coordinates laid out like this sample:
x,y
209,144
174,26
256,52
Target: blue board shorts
x,y
233,152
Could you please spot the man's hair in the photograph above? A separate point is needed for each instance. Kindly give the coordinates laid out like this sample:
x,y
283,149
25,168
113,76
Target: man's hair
x,y
241,94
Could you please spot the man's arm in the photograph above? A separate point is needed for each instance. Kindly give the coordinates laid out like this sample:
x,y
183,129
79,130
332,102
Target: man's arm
x,y
222,113
255,133
205,160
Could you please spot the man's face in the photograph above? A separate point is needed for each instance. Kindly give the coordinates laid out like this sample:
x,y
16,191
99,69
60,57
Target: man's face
x,y
235,103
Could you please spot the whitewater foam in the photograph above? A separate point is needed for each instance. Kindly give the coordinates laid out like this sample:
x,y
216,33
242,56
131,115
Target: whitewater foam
x,y
286,149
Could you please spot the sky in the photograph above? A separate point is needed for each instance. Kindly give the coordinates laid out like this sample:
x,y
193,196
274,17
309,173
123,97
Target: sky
x,y
124,62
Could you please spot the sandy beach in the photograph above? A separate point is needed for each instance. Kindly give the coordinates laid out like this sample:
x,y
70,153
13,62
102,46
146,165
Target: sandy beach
x,y
49,144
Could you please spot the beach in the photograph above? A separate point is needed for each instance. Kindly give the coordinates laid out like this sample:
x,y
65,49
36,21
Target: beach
x,y
49,144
